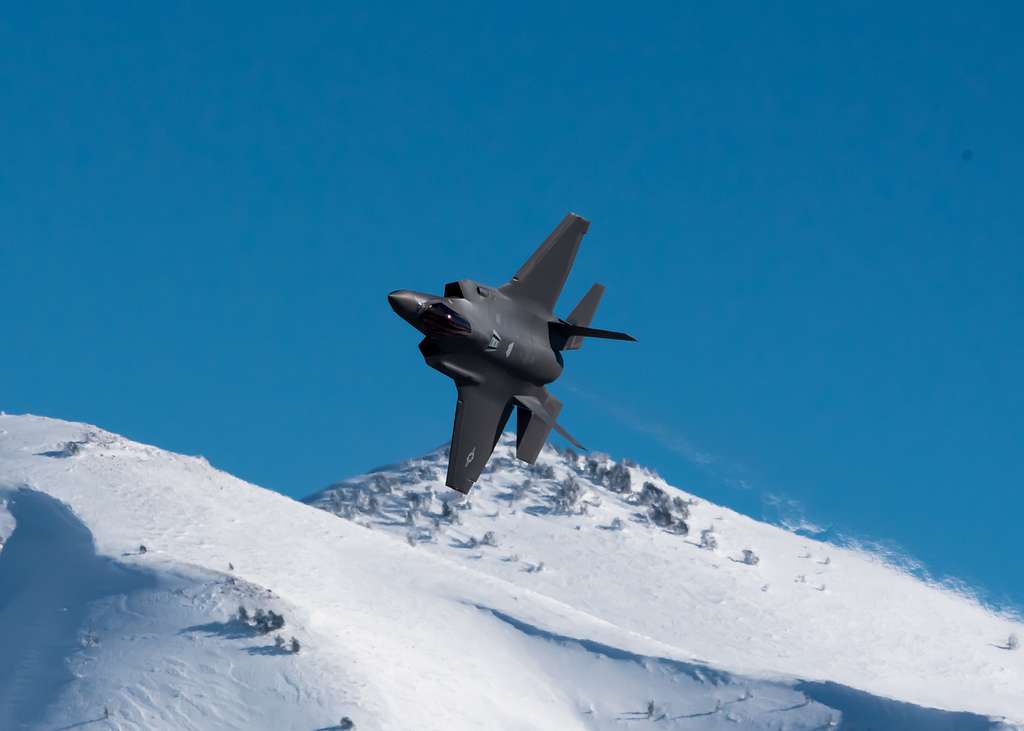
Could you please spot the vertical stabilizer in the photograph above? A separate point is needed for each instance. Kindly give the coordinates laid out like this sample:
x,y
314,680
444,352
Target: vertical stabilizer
x,y
583,314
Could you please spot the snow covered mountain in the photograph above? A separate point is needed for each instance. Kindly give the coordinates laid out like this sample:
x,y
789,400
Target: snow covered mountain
x,y
579,593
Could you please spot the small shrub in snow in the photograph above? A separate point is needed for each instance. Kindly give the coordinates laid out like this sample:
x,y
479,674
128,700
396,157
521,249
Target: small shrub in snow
x,y
346,724
750,558
489,539
449,514
264,622
542,471
567,496
410,538
618,479
616,524
650,494
279,642
366,502
660,515
680,507
410,518
382,485
662,510
1012,643
70,449
243,614
294,646
708,539
419,473
680,527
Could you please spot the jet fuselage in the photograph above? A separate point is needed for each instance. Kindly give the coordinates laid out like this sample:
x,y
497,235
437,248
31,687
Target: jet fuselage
x,y
477,334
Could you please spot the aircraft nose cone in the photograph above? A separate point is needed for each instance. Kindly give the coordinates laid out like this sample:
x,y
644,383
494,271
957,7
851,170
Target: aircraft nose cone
x,y
404,303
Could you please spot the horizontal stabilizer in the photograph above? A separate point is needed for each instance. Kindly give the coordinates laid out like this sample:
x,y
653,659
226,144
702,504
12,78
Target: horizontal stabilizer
x,y
569,437
566,331
534,422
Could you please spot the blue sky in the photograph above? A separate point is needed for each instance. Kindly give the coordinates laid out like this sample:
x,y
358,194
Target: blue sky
x,y
810,217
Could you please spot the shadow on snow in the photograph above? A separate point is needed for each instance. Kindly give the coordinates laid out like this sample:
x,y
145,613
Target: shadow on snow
x,y
49,575
859,710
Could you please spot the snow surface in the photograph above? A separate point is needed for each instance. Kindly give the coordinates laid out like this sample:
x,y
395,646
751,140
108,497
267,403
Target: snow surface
x,y
407,620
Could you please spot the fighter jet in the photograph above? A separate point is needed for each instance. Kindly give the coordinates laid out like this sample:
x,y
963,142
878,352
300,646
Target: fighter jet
x,y
501,346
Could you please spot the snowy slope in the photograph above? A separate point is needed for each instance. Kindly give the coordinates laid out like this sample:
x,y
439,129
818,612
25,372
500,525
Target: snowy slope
x,y
444,634
807,609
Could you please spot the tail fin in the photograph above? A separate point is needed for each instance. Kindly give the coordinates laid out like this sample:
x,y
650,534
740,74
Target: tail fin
x,y
583,314
542,277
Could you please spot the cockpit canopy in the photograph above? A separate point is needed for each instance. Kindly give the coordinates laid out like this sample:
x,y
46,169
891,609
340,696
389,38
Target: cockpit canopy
x,y
440,319
466,289
454,289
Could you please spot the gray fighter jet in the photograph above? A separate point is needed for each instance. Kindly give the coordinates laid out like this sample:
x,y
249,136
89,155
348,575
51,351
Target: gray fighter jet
x,y
501,346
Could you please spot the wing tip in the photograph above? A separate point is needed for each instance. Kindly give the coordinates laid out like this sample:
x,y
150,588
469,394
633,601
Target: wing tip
x,y
572,215
456,484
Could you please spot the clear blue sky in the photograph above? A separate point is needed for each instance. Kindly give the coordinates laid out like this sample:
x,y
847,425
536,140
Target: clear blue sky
x,y
811,219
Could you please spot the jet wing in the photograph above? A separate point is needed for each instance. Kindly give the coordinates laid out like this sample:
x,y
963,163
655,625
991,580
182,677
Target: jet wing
x,y
542,277
480,417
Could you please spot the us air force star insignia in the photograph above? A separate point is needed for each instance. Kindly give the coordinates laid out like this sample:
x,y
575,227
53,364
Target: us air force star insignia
x,y
508,350
471,455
